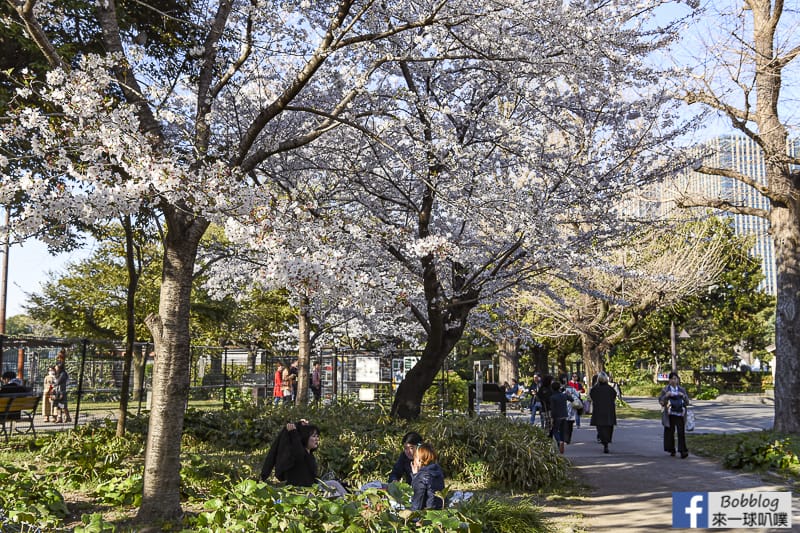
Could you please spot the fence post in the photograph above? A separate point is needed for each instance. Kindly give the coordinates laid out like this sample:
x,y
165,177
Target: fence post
x,y
225,379
334,374
80,384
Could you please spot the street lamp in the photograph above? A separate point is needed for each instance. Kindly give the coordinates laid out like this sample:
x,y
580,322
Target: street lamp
x,y
673,343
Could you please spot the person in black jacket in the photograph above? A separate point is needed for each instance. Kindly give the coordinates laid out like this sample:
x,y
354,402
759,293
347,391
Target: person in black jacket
x,y
604,409
291,455
544,393
402,467
428,479
559,413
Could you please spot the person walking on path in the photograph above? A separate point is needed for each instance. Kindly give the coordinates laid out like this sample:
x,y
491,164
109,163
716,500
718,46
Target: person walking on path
x,y
575,383
604,410
316,383
286,384
543,395
674,400
560,415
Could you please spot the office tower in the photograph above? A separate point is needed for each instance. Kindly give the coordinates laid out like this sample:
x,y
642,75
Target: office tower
x,y
743,155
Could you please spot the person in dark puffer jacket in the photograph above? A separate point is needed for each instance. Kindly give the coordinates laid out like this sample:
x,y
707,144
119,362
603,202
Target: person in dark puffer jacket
x,y
428,478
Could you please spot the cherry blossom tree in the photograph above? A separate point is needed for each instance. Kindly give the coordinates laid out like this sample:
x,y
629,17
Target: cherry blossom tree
x,y
326,268
481,160
196,134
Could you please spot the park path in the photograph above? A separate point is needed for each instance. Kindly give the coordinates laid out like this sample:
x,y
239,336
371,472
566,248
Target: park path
x,y
631,487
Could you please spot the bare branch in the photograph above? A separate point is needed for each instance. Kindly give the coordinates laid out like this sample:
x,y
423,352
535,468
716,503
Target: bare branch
x,y
35,31
724,205
738,176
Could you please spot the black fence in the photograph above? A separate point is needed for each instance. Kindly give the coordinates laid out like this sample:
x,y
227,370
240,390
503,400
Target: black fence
x,y
219,376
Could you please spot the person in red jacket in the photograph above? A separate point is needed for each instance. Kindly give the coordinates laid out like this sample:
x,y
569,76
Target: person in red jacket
x,y
277,389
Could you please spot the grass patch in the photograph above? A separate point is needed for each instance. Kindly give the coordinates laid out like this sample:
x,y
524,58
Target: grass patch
x,y
765,452
626,411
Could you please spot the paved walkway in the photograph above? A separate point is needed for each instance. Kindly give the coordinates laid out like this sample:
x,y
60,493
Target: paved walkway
x,y
631,488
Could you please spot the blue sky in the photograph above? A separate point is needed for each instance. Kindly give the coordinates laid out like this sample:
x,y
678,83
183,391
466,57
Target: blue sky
x,y
29,267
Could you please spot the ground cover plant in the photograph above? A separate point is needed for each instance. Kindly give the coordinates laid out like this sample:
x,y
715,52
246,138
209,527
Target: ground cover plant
x,y
93,478
765,452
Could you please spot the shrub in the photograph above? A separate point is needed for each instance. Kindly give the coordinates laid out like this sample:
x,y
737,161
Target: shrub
x,y
703,393
504,516
521,456
759,451
455,390
361,443
251,506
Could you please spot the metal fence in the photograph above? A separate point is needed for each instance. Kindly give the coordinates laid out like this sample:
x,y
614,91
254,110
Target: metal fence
x,y
218,375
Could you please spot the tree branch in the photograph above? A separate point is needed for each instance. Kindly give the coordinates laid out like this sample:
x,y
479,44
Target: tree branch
x,y
107,17
738,176
722,205
35,31
204,97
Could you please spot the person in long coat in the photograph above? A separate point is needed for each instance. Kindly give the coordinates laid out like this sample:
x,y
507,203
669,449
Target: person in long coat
x,y
604,409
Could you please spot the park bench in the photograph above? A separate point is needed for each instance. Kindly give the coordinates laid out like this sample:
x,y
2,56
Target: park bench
x,y
16,410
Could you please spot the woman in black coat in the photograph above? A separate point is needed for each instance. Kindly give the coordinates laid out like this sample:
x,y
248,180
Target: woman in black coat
x,y
291,455
604,409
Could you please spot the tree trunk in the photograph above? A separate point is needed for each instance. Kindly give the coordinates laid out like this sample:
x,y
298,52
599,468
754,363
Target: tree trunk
x,y
786,234
170,330
303,353
540,358
508,355
446,329
130,325
592,356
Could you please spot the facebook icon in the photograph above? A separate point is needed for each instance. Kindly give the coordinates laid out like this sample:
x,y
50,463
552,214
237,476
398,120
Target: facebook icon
x,y
690,509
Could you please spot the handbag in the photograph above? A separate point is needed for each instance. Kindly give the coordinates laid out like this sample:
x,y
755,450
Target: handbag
x,y
690,419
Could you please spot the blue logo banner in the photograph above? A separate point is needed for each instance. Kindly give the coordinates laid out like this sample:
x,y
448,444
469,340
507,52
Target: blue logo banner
x,y
689,510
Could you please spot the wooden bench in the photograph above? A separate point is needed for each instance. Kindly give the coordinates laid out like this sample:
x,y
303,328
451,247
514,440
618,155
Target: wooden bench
x,y
18,409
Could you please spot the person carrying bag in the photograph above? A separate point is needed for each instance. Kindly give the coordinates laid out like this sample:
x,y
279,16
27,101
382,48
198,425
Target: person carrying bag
x,y
674,400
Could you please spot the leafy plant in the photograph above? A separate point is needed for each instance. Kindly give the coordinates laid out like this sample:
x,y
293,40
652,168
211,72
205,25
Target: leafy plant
x,y
124,489
761,452
27,497
251,506
95,524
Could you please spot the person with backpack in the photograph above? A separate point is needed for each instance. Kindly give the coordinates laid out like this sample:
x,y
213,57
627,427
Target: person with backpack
x,y
674,400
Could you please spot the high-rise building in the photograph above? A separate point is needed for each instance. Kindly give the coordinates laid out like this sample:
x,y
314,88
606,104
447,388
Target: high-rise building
x,y
742,155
